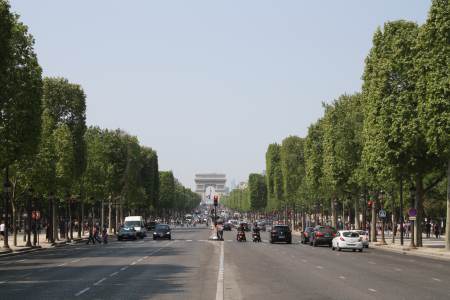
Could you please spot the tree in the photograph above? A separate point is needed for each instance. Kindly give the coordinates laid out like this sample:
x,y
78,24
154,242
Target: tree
x,y
274,178
257,191
166,191
432,66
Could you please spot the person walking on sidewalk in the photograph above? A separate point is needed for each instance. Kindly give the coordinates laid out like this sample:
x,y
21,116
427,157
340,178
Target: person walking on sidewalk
x,y
437,230
428,228
97,234
91,236
2,230
105,235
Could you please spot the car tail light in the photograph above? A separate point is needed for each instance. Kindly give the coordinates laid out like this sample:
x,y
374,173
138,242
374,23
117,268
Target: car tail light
x,y
318,233
342,239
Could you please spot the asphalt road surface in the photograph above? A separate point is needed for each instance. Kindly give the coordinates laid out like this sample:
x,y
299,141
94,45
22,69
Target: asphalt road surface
x,y
192,267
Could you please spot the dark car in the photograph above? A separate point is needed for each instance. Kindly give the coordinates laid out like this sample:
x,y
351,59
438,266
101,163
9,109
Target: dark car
x,y
322,235
306,235
126,233
162,231
151,225
280,233
227,227
262,225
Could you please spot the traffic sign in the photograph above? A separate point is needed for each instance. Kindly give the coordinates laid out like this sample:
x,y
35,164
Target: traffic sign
x,y
412,218
412,212
382,214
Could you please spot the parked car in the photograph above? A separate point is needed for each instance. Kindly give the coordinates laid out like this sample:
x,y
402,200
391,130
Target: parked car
x,y
162,231
365,237
347,239
126,233
227,226
137,222
306,235
322,235
281,233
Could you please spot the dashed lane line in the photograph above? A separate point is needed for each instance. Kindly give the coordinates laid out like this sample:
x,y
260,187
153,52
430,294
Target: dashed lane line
x,y
100,281
372,263
82,292
436,279
113,274
372,290
342,277
62,265
123,268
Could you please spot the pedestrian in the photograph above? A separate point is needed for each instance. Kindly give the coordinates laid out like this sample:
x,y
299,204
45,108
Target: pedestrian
x,y
428,229
105,235
2,230
91,236
97,234
436,230
220,231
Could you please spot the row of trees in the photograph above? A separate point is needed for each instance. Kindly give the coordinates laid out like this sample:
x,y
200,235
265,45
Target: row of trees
x,y
375,146
52,159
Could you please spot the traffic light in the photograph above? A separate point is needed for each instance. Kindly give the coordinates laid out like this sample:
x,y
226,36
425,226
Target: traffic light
x,y
216,200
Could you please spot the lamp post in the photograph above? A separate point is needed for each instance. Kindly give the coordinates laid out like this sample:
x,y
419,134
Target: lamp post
x,y
411,227
383,219
51,236
6,191
401,212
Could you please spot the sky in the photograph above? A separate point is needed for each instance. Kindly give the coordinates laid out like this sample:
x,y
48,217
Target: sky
x,y
209,84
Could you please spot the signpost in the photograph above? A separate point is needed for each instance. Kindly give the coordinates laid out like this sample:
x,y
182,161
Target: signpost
x,y
382,214
412,213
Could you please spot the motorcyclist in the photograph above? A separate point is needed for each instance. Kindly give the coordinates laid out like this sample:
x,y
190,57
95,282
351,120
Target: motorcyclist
x,y
256,230
241,231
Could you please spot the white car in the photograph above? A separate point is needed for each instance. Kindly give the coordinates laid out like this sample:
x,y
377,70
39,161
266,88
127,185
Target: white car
x,y
365,237
347,239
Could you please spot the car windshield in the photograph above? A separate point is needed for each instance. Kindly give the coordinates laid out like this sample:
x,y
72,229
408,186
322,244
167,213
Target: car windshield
x,y
350,234
280,228
132,224
162,227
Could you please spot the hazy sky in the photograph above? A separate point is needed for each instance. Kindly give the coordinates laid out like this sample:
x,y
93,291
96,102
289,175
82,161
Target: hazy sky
x,y
209,84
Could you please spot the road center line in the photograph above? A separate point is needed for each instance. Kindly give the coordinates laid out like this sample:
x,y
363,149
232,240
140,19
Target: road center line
x,y
113,274
219,290
82,292
100,281
372,290
436,279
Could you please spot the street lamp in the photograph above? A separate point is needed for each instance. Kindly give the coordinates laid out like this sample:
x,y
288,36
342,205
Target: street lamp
x,y
28,244
6,191
412,191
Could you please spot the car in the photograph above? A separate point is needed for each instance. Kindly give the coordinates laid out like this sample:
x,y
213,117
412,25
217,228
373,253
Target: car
x,y
262,225
365,237
281,233
347,239
137,222
126,233
306,235
227,226
322,235
162,231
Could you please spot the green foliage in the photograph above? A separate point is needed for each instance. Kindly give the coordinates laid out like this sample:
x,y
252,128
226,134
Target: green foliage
x,y
20,90
238,199
166,190
292,167
257,192
274,178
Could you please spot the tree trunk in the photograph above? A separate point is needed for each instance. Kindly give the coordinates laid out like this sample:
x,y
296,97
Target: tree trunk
x,y
419,207
54,223
373,224
357,223
447,221
14,220
109,217
333,214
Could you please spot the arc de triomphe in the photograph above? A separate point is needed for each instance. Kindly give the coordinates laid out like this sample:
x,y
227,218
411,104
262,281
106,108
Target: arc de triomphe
x,y
210,184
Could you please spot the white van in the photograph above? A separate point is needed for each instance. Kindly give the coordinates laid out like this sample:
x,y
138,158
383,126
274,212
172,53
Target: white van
x,y
136,222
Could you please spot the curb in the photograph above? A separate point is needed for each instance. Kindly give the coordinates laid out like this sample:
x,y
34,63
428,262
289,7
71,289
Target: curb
x,y
39,248
405,251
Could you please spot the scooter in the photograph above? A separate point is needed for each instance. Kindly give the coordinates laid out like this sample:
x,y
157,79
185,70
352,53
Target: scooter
x,y
256,237
241,236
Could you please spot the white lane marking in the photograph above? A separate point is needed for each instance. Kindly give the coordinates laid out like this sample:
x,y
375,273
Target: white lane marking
x,y
342,277
100,281
113,274
219,289
2,282
75,260
304,260
436,279
28,274
319,267
201,240
140,259
82,292
62,265
145,257
398,269
124,268
372,290
133,263
188,240
229,240
21,260
372,263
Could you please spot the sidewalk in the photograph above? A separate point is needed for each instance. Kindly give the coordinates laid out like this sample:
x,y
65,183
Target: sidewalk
x,y
432,247
41,243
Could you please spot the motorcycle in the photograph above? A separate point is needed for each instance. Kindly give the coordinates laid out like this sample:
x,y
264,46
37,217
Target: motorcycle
x,y
241,236
256,237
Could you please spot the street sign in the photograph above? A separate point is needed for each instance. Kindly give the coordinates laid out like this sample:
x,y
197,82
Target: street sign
x,y
382,214
412,212
412,218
